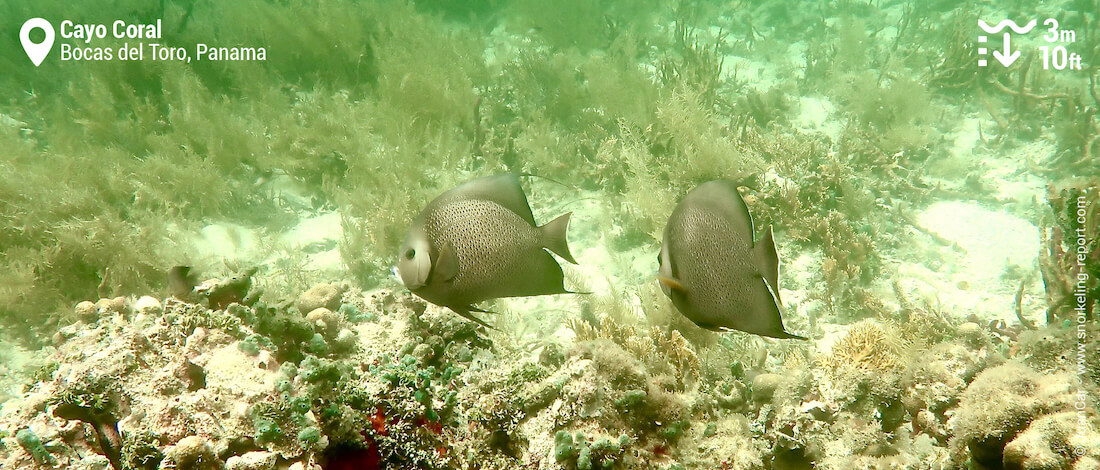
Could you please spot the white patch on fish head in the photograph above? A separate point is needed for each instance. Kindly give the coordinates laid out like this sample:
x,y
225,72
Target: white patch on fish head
x,y
414,262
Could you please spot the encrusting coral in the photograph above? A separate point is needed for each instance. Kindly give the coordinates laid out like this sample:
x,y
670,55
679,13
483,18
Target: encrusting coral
x,y
1001,403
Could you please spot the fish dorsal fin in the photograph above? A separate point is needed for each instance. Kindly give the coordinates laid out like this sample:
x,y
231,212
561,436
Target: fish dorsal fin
x,y
722,197
767,263
741,210
502,189
446,264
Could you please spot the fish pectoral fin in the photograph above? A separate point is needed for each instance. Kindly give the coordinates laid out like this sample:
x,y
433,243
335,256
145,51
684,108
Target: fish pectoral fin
x,y
767,263
466,310
671,283
446,266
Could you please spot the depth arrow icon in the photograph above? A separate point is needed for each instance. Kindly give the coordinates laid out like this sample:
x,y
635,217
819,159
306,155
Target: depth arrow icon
x,y
1006,58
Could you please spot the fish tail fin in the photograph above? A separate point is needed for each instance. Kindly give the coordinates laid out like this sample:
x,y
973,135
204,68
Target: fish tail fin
x,y
767,262
553,237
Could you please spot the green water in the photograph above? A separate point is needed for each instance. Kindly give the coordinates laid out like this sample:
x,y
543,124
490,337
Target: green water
x,y
927,211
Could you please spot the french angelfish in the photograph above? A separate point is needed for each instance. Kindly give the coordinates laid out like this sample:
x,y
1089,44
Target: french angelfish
x,y
479,241
711,269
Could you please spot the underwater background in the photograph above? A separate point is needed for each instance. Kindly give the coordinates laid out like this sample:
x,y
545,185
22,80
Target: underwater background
x,y
937,222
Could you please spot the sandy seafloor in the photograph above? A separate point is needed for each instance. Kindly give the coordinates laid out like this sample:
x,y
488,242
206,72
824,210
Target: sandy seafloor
x,y
539,379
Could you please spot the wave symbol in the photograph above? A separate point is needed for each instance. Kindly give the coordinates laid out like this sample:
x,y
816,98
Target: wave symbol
x,y
1011,24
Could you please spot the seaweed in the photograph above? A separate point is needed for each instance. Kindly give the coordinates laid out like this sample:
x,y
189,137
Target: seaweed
x,y
955,67
697,66
1070,260
578,24
141,451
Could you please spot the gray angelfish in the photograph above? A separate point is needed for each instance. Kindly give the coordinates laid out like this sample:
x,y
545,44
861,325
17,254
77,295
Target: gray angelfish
x,y
479,241
711,269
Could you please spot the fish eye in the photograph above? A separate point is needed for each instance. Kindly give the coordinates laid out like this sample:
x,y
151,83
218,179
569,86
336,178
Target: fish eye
x,y
410,254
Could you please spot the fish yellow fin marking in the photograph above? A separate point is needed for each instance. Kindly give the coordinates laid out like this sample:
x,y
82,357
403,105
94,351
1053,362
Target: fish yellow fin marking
x,y
671,283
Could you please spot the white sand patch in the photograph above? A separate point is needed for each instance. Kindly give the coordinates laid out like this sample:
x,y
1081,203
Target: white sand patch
x,y
314,241
318,238
1011,177
970,277
318,229
226,241
229,369
965,138
814,117
759,75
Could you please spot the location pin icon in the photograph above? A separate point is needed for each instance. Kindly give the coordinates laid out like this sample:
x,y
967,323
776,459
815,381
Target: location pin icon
x,y
37,52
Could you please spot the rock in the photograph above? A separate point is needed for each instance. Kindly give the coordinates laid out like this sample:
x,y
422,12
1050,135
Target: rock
x,y
303,466
764,386
148,305
194,453
999,405
256,460
325,321
196,339
118,305
735,399
971,333
346,339
87,311
265,360
551,356
820,410
235,289
968,329
1034,448
320,295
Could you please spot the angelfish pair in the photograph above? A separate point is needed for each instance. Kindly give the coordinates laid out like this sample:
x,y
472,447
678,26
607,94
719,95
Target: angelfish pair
x,y
479,241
